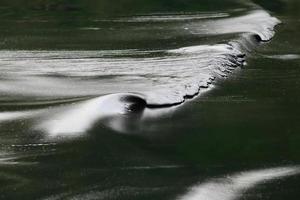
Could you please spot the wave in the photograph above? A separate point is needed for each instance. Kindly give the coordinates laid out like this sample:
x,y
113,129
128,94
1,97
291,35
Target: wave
x,y
119,82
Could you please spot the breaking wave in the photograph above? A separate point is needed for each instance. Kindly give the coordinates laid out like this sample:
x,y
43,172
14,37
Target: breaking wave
x,y
118,82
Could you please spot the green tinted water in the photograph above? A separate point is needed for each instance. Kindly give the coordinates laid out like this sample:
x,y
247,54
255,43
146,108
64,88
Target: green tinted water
x,y
246,123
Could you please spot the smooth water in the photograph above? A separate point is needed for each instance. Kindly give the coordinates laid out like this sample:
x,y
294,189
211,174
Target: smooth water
x,y
154,100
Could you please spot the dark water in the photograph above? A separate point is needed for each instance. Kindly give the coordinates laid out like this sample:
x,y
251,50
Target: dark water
x,y
187,100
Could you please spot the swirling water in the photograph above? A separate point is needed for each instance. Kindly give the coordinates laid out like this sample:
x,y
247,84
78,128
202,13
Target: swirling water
x,y
87,109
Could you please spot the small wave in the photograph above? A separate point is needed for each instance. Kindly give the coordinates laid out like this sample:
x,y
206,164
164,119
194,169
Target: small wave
x,y
90,28
77,119
285,57
234,186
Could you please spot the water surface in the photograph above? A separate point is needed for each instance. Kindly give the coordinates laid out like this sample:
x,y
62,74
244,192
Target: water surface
x,y
165,100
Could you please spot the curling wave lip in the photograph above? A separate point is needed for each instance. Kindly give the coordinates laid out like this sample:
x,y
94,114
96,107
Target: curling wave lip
x,y
77,119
